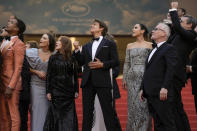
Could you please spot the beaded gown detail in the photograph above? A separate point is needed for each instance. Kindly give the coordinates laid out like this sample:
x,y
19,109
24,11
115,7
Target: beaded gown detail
x,y
138,117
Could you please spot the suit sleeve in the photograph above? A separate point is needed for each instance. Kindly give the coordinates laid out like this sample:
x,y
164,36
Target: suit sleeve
x,y
114,61
194,61
171,63
76,81
79,56
19,52
185,34
126,65
116,71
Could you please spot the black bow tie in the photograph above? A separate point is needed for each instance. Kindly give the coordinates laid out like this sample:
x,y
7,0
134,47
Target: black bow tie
x,y
7,38
95,39
154,45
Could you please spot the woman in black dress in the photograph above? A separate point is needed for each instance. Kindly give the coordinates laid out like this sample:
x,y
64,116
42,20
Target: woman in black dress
x,y
62,88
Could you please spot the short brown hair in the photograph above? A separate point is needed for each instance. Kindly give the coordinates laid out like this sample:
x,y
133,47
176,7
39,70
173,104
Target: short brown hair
x,y
32,43
102,25
66,49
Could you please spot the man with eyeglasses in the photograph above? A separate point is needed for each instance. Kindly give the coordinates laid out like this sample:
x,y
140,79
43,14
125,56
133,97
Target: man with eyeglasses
x,y
157,83
182,39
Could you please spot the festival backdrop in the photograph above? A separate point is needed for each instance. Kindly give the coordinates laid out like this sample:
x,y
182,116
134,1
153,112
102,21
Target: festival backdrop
x,y
75,16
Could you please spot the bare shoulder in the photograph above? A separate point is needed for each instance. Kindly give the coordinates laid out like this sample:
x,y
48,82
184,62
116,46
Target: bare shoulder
x,y
130,45
148,44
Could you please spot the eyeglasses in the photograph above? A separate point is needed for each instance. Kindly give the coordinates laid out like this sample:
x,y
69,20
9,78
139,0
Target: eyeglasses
x,y
156,29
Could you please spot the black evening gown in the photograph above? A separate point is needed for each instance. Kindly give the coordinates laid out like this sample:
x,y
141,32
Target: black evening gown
x,y
62,83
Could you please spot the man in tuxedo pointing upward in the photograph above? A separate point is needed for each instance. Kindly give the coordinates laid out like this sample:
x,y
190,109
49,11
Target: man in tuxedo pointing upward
x,y
157,83
97,57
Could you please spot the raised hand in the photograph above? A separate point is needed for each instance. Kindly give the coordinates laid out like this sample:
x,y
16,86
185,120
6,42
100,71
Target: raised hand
x,y
174,5
76,45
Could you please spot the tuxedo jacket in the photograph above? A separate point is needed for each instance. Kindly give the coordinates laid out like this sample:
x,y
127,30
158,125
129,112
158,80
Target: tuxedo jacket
x,y
115,73
26,78
182,40
12,64
106,53
159,71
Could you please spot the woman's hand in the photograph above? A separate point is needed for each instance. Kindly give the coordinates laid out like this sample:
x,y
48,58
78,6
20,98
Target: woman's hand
x,y
49,96
41,75
141,95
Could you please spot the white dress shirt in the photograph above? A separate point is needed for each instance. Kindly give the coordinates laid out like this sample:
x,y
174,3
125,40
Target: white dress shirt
x,y
173,9
154,50
95,45
4,43
12,37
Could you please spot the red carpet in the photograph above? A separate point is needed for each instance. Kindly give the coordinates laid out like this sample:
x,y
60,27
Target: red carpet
x,y
121,107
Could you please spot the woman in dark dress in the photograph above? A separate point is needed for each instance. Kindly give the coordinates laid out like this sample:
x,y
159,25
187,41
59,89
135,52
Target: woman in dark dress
x,y
62,88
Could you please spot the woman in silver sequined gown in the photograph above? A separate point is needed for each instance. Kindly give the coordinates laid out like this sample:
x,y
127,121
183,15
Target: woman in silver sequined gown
x,y
138,117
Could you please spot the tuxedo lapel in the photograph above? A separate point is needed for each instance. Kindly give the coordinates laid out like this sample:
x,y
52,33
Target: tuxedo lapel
x,y
155,55
90,48
100,46
146,62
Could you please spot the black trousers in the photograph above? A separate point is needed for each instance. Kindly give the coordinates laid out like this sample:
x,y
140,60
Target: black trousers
x,y
163,115
195,100
105,97
23,109
182,119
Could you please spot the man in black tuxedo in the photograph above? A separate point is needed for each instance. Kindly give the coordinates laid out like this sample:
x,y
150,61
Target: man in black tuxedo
x,y
192,70
183,42
157,83
24,97
182,39
97,57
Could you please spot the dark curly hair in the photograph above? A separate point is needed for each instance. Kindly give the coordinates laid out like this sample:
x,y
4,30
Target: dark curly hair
x,y
22,27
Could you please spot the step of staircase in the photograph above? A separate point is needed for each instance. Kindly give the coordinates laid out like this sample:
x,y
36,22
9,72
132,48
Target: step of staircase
x,y
121,107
